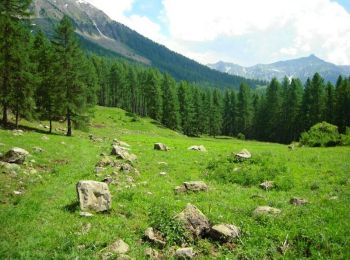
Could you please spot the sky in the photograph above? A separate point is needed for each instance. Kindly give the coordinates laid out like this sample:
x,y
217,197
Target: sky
x,y
245,32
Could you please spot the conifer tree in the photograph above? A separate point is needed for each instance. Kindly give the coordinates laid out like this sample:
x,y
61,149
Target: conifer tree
x,y
244,110
47,103
170,117
11,49
215,117
343,104
227,120
70,76
317,99
306,107
153,94
185,108
330,104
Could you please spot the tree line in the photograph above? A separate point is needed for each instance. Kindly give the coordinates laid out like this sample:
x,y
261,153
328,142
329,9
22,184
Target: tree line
x,y
53,79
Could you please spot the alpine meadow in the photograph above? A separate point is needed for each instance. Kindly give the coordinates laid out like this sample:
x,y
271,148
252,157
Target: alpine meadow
x,y
113,146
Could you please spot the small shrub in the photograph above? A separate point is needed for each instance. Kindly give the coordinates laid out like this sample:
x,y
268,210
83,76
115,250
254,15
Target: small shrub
x,y
162,220
241,136
321,135
345,138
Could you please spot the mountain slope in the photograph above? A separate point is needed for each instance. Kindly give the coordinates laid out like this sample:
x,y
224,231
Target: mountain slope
x,y
105,35
301,68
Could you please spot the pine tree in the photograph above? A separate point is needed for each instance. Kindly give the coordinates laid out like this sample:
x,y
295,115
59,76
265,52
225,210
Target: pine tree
x,y
12,48
215,117
47,103
317,99
228,115
244,110
170,117
70,76
343,104
185,108
153,94
273,111
330,104
306,107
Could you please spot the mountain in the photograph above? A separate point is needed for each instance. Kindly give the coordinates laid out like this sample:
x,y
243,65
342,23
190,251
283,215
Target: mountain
x,y
102,35
301,68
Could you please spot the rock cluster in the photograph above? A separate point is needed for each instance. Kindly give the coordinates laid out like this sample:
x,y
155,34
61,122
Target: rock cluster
x,y
15,155
243,155
194,186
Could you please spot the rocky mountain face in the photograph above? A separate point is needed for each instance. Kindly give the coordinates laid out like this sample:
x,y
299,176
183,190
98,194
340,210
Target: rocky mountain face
x,y
302,68
102,35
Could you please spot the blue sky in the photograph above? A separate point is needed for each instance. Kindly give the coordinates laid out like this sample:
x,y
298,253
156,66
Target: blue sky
x,y
245,32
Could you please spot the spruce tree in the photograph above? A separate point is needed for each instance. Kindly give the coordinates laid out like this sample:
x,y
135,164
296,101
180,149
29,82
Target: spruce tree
x,y
170,116
70,76
227,117
12,47
244,110
153,94
215,116
317,99
185,108
47,103
330,104
343,104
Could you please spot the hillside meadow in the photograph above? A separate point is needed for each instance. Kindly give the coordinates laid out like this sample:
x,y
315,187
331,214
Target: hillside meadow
x,y
40,216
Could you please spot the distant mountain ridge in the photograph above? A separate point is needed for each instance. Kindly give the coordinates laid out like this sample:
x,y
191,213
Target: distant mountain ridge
x,y
301,68
102,35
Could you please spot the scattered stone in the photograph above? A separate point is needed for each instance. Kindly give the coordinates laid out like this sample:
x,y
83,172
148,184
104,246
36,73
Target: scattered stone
x,y
99,169
184,253
118,247
46,127
152,253
194,186
44,137
95,139
224,232
94,196
105,161
160,147
81,247
120,143
121,153
266,210
180,189
194,220
333,198
162,163
9,167
291,147
17,132
162,173
267,185
199,148
298,201
15,155
16,192
85,214
108,180
154,237
63,143
243,154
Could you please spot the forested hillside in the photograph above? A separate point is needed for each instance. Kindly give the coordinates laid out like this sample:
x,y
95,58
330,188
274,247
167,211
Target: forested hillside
x,y
102,35
54,79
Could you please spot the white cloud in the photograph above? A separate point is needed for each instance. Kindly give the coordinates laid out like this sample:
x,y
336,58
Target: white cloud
x,y
319,26
116,10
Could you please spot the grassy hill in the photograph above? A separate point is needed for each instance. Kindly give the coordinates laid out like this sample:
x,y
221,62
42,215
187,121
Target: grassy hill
x,y
43,221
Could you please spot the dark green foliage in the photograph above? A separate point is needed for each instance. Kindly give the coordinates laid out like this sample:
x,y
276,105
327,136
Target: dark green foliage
x,y
244,110
14,62
215,118
342,107
321,134
75,77
170,117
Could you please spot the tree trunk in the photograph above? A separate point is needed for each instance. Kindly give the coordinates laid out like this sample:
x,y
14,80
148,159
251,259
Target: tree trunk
x,y
4,115
17,118
50,131
69,124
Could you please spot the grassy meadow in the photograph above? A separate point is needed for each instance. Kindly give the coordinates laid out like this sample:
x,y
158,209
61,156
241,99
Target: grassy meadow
x,y
43,222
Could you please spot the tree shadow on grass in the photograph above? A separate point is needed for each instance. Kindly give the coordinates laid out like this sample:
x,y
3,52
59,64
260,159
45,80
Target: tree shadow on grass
x,y
72,207
12,126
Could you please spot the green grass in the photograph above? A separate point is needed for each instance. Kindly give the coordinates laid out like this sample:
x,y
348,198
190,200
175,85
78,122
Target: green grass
x,y
44,222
